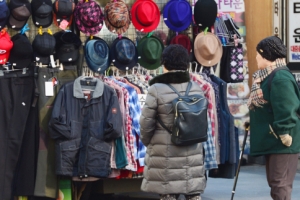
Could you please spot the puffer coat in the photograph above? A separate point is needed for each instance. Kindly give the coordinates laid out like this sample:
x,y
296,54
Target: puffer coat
x,y
169,169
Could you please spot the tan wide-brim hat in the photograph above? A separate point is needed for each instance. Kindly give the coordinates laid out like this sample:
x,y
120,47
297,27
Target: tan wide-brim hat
x,y
208,49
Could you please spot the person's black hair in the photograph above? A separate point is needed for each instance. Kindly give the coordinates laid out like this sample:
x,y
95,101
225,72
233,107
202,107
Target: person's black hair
x,y
175,57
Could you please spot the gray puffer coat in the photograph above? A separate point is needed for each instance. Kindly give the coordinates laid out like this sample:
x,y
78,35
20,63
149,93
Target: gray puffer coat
x,y
169,169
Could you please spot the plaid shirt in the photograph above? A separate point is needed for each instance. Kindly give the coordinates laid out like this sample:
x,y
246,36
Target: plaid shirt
x,y
210,150
206,88
210,161
129,139
135,113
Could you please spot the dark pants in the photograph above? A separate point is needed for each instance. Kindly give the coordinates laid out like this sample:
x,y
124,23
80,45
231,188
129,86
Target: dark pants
x,y
281,170
46,180
16,95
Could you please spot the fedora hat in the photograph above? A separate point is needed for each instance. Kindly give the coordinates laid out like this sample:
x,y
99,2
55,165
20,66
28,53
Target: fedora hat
x,y
182,40
145,15
208,49
178,15
117,16
205,13
124,53
149,51
88,17
97,55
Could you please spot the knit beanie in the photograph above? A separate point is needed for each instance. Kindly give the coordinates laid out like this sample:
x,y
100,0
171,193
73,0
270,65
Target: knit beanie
x,y
271,48
175,57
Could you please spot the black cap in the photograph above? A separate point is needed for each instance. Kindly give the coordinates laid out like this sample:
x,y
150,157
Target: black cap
x,y
43,46
205,13
41,13
271,48
67,46
21,53
63,10
20,11
4,14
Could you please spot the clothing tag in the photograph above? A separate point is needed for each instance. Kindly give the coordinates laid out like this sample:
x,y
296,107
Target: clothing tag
x,y
49,89
52,61
64,24
142,99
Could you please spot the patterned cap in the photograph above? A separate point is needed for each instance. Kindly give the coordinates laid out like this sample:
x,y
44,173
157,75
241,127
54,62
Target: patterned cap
x,y
88,17
117,16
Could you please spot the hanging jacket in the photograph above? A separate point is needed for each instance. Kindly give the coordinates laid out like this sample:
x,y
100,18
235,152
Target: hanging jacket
x,y
83,127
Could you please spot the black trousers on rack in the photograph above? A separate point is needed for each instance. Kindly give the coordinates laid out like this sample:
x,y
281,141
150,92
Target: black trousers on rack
x,y
46,184
16,95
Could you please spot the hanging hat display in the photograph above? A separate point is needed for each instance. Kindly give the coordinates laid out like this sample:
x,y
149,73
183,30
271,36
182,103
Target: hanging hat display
x,y
97,55
117,16
124,53
42,13
4,14
182,40
88,17
178,15
208,49
149,51
205,13
145,15
5,47
63,12
20,12
22,52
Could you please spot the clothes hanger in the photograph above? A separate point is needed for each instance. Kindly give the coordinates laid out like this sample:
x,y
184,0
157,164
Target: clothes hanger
x,y
10,68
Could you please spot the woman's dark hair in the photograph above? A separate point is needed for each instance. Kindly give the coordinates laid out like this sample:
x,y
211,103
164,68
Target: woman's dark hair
x,y
175,57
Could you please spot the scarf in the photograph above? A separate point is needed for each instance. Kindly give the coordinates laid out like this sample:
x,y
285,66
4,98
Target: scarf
x,y
256,98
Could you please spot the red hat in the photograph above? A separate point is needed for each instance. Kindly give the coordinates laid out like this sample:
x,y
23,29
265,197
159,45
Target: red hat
x,y
145,15
182,40
5,46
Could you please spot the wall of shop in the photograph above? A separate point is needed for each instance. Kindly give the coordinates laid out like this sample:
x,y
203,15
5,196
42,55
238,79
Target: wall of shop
x,y
259,20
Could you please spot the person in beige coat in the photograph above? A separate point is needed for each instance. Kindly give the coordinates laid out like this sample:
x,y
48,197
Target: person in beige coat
x,y
170,170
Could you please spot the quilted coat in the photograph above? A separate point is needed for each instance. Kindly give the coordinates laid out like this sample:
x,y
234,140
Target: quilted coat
x,y
169,169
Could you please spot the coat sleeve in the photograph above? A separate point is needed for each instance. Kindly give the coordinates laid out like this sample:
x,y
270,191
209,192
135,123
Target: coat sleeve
x,y
58,126
148,116
285,104
113,125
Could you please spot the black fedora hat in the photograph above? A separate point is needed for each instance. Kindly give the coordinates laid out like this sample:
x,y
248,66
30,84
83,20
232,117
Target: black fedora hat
x,y
124,53
205,13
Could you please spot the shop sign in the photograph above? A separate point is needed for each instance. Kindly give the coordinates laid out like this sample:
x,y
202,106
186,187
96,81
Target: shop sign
x,y
277,16
231,5
293,28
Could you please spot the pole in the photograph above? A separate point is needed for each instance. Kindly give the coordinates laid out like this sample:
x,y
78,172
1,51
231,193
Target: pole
x,y
247,127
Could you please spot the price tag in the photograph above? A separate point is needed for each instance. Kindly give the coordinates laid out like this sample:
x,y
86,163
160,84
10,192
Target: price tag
x,y
49,89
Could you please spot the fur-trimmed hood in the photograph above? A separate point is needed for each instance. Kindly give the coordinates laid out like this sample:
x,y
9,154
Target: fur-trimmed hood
x,y
171,77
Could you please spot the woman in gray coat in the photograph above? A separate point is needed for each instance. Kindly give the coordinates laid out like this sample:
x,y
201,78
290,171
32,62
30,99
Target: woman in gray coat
x,y
170,170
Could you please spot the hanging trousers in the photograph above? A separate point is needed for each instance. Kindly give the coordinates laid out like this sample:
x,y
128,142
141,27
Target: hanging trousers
x,y
46,184
281,170
16,95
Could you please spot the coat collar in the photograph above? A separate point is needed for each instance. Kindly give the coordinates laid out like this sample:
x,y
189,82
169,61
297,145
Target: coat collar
x,y
171,77
77,90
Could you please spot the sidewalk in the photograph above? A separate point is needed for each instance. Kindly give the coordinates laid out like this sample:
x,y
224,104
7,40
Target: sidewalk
x,y
252,184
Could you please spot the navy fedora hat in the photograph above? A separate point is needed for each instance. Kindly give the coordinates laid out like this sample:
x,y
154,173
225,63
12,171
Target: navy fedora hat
x,y
177,15
97,55
124,53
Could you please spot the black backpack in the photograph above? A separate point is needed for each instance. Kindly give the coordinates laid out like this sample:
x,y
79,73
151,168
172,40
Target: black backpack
x,y
190,121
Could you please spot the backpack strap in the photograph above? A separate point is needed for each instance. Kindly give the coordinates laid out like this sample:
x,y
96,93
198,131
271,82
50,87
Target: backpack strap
x,y
186,91
163,125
